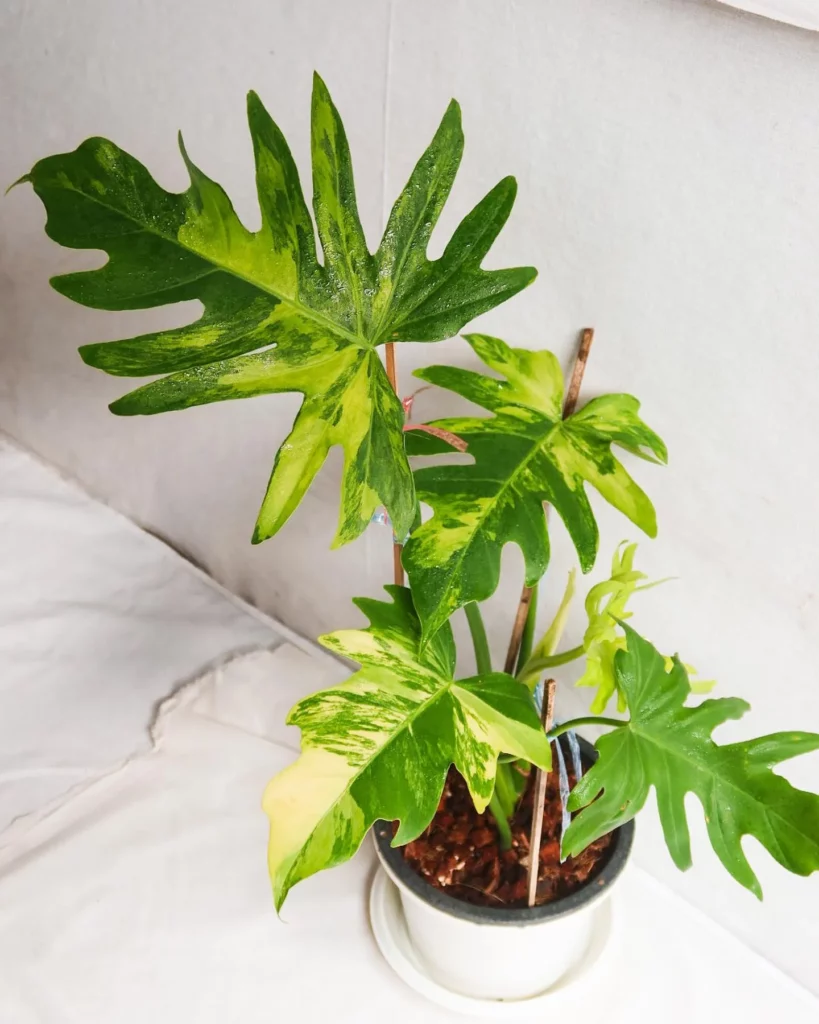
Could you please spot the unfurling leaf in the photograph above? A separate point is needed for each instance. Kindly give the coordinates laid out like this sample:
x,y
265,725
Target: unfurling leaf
x,y
380,744
606,605
547,645
545,648
668,746
275,319
607,608
524,455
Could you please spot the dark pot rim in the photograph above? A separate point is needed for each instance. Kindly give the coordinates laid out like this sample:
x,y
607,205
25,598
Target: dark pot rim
x,y
589,893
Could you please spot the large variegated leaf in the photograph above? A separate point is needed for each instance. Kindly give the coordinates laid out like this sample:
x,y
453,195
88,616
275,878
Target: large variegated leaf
x,y
668,746
524,455
275,319
380,744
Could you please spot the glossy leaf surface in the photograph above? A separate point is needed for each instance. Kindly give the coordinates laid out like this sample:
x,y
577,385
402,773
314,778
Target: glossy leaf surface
x,y
275,318
525,454
380,744
669,746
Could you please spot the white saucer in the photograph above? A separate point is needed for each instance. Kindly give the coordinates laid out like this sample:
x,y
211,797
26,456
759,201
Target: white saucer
x,y
390,931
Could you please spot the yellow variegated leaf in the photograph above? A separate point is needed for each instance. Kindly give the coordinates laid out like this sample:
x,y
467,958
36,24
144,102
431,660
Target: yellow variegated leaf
x,y
275,318
379,745
524,454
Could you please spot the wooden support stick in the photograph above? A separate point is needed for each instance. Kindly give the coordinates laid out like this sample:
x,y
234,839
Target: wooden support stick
x,y
572,395
397,548
539,798
569,406
517,630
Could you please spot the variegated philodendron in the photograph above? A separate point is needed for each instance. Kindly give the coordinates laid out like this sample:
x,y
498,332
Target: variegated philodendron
x,y
276,319
380,744
524,455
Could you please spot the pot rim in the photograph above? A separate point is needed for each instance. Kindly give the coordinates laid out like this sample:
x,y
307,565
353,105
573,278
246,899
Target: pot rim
x,y
596,889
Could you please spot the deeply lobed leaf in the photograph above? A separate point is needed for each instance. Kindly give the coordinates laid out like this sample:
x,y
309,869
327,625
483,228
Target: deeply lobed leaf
x,y
525,454
379,745
669,746
275,318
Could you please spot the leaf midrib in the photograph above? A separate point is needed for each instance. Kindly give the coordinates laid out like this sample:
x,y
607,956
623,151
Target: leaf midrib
x,y
536,446
768,809
395,277
359,340
355,282
405,724
454,267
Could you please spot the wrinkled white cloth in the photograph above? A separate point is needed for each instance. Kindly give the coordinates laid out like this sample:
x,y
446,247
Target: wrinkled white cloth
x,y
146,897
98,622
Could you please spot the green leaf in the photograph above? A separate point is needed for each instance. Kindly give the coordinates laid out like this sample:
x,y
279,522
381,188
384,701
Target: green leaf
x,y
524,455
380,744
274,318
606,608
668,746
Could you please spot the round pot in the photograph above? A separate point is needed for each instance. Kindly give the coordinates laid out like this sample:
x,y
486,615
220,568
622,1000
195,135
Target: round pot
x,y
500,953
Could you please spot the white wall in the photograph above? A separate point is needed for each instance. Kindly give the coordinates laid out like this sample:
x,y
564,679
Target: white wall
x,y
668,158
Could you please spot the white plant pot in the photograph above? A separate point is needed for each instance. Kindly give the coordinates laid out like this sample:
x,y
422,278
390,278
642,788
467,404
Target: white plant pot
x,y
490,953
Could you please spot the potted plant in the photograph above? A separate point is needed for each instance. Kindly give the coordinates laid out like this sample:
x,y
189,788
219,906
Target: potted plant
x,y
471,827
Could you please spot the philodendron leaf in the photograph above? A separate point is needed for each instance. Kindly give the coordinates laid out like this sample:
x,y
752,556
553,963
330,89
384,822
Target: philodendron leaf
x,y
668,746
607,608
524,455
275,319
380,744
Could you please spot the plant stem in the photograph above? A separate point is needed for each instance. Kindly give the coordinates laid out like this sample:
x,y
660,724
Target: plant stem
x,y
528,636
534,666
505,789
585,720
499,804
504,832
483,658
397,547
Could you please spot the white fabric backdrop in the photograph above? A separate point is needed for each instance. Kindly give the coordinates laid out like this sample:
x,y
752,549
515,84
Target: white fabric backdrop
x,y
98,622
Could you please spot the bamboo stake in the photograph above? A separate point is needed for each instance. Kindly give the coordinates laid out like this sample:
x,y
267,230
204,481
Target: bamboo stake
x,y
569,406
517,630
572,395
397,548
539,798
